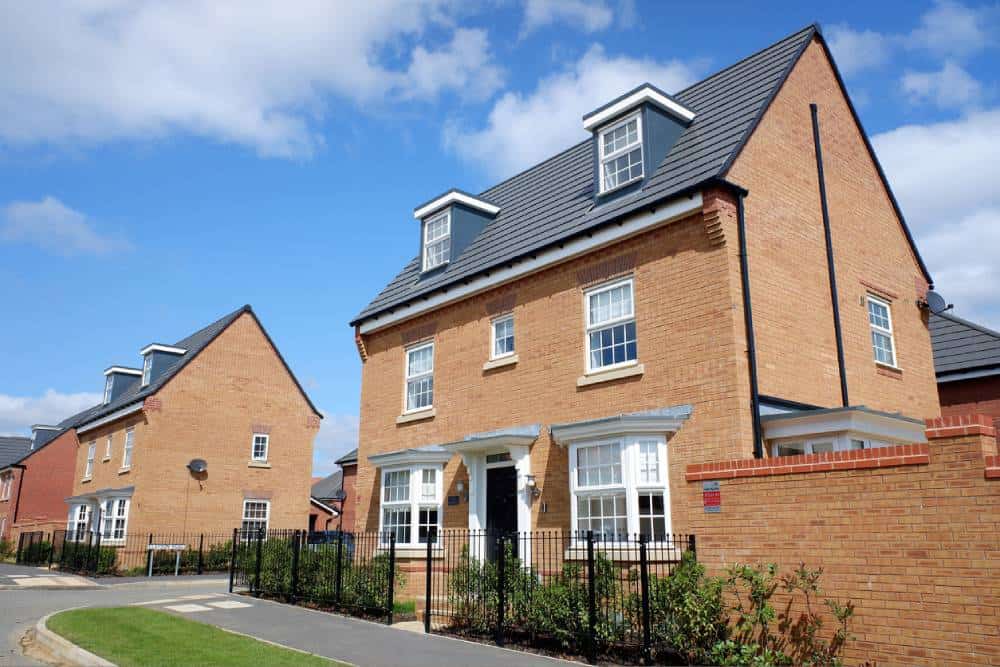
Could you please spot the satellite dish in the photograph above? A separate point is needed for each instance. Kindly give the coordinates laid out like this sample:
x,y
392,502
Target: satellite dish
x,y
197,466
936,303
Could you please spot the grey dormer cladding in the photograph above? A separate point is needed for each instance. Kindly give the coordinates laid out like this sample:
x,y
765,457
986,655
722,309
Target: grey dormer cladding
x,y
469,216
660,130
162,360
123,379
553,202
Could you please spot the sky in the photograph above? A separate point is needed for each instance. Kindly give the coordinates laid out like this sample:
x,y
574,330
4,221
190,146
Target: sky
x,y
163,163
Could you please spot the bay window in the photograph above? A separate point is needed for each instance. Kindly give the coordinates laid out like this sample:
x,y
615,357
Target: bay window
x,y
619,488
411,504
611,334
79,523
115,519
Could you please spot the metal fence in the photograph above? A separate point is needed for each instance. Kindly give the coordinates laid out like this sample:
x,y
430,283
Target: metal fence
x,y
148,554
583,593
355,573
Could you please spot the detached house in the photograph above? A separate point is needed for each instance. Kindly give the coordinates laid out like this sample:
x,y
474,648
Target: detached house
x,y
718,273
204,435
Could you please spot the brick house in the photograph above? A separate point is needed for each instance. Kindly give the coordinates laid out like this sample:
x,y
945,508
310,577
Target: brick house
x,y
967,361
332,497
209,433
35,483
718,274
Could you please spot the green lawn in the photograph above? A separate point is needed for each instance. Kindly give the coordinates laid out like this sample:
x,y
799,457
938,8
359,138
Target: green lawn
x,y
135,636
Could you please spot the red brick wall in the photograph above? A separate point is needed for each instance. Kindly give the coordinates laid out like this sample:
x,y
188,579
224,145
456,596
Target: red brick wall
x,y
45,484
980,396
350,504
912,538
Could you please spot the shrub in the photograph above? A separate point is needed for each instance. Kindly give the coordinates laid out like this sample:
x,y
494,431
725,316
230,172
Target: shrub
x,y
36,553
7,549
687,611
88,559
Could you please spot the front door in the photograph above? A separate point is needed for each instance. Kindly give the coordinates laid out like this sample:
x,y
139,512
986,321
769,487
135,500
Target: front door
x,y
501,504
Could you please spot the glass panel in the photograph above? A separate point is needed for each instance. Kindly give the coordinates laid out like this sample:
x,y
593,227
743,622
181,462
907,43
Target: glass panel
x,y
599,464
603,514
614,345
397,486
882,345
822,447
428,487
791,449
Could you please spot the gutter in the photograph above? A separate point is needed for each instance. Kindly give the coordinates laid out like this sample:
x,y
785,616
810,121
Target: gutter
x,y
832,271
758,445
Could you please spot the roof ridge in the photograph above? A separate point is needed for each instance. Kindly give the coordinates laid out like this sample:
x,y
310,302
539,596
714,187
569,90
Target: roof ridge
x,y
242,309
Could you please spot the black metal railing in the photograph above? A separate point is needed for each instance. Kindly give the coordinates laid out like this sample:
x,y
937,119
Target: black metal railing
x,y
354,573
33,548
587,593
93,554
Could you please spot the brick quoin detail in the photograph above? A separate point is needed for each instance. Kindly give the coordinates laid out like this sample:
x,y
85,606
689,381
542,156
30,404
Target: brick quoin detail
x,y
959,425
152,404
993,467
881,457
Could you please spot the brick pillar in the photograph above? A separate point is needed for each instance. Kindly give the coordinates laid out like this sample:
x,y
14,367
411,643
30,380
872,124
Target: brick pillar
x,y
961,426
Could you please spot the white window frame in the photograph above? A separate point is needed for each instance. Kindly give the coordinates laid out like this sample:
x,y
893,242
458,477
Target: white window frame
x,y
841,443
509,317
624,319
127,449
110,520
426,244
871,298
414,503
604,158
147,369
408,378
266,519
630,485
107,446
253,447
74,531
108,384
88,470
6,483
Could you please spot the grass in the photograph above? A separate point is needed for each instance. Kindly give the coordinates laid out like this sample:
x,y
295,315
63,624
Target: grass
x,y
404,607
135,636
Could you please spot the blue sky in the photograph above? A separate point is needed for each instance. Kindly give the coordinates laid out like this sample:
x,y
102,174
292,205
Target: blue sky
x,y
164,163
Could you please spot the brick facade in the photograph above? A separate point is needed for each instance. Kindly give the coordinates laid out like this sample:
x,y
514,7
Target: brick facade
x,y
210,410
978,395
912,538
39,491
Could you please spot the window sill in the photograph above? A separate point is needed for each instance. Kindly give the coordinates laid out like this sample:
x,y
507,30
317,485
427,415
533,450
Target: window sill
x,y
419,552
258,464
416,416
105,459
500,362
123,470
86,480
613,374
629,552
888,367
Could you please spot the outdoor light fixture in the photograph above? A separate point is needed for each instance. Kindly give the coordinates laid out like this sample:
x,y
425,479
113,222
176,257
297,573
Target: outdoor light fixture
x,y
529,482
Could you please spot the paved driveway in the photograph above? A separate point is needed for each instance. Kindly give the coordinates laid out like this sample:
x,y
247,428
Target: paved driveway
x,y
351,640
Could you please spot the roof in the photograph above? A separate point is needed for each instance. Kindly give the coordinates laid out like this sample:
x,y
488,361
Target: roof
x,y
961,346
194,344
13,449
348,458
328,486
552,202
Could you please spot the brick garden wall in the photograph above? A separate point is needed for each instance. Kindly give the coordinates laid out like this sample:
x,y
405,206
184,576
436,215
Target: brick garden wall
x,y
911,535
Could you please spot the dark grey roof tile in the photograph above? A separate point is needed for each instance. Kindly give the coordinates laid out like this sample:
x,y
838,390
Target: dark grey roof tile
x,y
960,345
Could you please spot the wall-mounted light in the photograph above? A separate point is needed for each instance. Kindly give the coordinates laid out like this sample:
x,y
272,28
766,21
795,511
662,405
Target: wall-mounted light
x,y
532,485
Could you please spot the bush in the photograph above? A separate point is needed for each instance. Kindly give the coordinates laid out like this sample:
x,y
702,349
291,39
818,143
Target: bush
x,y
36,553
7,549
88,559
687,612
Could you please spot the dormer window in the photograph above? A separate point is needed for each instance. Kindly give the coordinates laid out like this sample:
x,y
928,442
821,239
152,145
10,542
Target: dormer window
x,y
437,240
621,153
147,369
108,384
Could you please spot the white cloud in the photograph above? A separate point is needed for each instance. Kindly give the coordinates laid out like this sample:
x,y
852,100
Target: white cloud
x,y
254,73
944,175
55,227
587,15
338,434
951,28
523,129
858,50
18,413
949,87
464,66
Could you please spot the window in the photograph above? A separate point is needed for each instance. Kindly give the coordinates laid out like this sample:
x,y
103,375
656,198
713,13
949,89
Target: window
x,y
611,339
258,450
107,448
147,369
420,377
503,336
823,445
621,154
408,494
437,240
79,523
880,319
6,481
127,450
91,451
620,488
108,383
255,516
115,519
